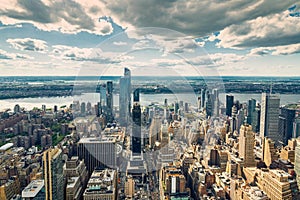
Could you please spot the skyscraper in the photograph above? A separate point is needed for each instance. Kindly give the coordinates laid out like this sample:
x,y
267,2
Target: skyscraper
x,y
250,111
102,90
246,145
109,101
215,102
125,97
286,118
203,93
136,126
229,104
53,174
98,153
255,121
269,117
297,164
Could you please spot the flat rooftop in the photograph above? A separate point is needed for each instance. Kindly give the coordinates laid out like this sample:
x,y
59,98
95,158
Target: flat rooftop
x,y
33,189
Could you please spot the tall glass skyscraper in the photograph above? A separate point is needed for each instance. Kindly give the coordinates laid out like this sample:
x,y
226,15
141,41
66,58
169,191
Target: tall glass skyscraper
x,y
269,117
125,97
109,101
136,125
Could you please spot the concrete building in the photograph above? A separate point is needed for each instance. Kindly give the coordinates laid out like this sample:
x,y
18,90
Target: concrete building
x,y
269,151
76,178
275,183
34,191
102,185
246,146
98,153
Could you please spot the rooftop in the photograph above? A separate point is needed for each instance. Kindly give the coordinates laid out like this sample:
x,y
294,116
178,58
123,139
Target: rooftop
x,y
33,189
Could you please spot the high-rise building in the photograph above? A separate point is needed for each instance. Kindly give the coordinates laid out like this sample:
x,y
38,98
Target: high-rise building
x,y
109,101
76,178
246,145
125,97
297,164
229,104
208,104
286,118
251,110
269,151
296,127
176,107
269,117
34,191
136,145
203,94
102,90
98,153
255,121
82,108
154,131
102,185
215,102
53,174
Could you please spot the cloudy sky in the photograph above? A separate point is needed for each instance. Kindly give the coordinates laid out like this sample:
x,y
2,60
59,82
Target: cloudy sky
x,y
151,37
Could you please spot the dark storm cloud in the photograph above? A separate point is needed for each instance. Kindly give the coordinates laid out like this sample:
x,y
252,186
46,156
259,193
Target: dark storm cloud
x,y
193,17
37,11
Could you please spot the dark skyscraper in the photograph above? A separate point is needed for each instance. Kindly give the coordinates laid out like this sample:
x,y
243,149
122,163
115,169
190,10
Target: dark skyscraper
x,y
269,117
125,97
251,109
203,93
285,126
136,126
256,119
109,101
229,104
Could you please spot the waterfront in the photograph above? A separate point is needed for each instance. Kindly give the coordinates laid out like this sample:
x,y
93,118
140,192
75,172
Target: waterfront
x,y
146,99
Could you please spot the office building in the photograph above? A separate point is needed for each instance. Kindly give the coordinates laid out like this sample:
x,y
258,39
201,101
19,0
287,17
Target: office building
x,y
269,151
297,164
98,153
125,97
251,110
53,174
102,91
203,94
287,116
34,191
246,145
102,185
109,101
229,104
76,178
296,127
269,117
275,183
255,121
136,144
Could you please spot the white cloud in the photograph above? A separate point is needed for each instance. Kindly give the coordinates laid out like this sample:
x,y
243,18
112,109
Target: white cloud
x,y
66,16
9,56
278,50
274,30
87,54
28,44
120,43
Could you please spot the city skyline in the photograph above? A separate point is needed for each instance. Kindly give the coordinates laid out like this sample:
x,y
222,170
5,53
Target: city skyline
x,y
191,38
